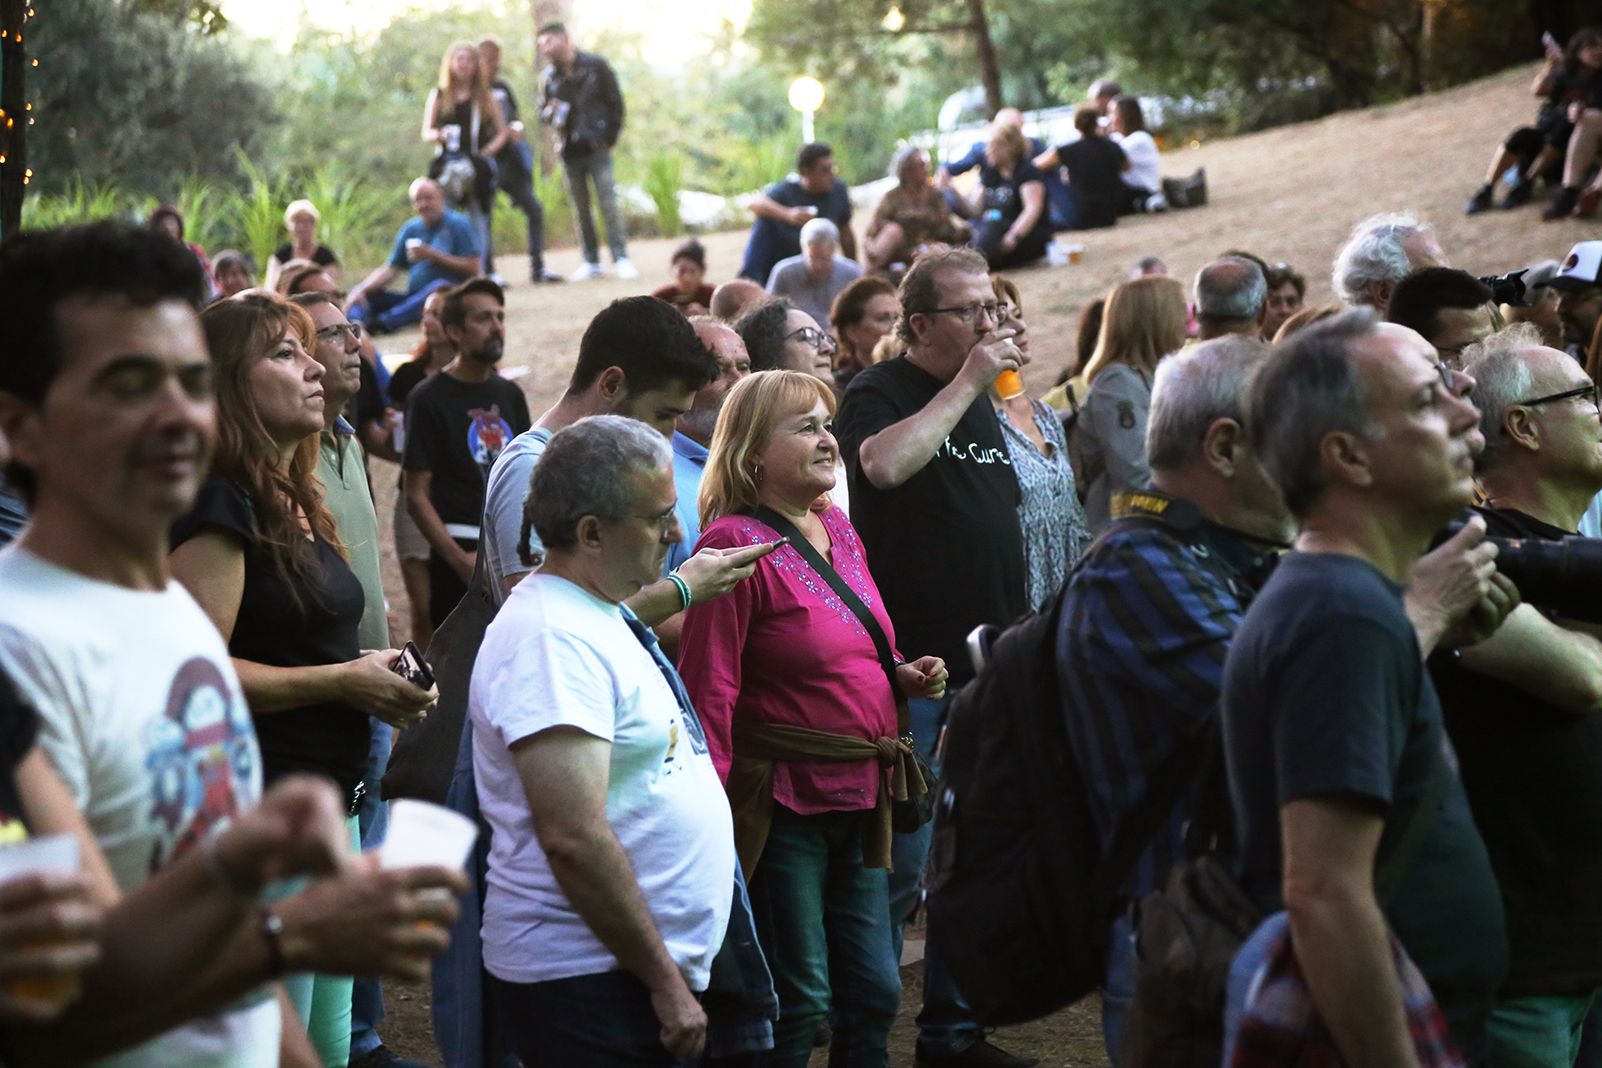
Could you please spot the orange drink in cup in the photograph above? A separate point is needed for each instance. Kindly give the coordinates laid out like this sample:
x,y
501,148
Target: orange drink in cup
x,y
422,834
49,853
1009,384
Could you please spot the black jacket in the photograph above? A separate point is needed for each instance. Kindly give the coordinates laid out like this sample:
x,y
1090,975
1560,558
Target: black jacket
x,y
594,117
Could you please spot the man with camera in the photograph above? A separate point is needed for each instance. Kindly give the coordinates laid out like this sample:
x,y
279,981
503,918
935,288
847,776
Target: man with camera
x,y
1521,707
1339,767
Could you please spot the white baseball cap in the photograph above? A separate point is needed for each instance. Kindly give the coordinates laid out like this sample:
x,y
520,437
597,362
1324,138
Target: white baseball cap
x,y
1581,267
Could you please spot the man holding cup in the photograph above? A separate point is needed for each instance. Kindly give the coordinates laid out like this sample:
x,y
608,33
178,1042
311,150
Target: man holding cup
x,y
438,248
934,497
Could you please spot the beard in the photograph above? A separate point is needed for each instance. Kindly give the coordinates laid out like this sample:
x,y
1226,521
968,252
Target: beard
x,y
490,352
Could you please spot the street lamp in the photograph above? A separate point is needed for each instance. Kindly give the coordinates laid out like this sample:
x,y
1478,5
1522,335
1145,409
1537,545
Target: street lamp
x,y
806,96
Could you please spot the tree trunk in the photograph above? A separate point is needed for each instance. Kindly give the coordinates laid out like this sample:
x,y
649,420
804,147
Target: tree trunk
x,y
14,107
989,66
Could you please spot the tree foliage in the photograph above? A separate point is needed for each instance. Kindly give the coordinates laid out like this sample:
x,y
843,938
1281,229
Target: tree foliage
x,y
122,95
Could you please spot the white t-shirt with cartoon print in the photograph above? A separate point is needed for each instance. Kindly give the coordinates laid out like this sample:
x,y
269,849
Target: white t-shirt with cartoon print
x,y
142,714
556,655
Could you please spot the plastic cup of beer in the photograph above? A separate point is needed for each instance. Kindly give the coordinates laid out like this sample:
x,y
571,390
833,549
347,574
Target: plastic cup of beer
x,y
1009,384
49,853
422,834
1076,253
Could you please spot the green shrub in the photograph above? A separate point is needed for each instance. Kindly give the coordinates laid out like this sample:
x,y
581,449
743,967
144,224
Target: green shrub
x,y
663,178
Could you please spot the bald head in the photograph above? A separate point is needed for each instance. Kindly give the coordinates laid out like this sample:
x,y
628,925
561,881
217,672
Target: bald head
x,y
427,200
734,363
733,297
1230,294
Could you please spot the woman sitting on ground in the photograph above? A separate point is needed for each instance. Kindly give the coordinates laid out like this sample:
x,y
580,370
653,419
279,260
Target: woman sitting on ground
x,y
865,311
1095,172
1049,513
689,291
801,718
1012,228
1143,180
1143,322
1569,74
1584,149
300,218
913,216
260,554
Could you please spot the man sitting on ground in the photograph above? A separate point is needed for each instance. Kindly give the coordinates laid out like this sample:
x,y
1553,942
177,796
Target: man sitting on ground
x,y
781,209
813,279
436,249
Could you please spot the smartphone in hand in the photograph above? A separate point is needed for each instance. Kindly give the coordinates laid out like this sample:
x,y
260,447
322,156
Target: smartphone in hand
x,y
411,666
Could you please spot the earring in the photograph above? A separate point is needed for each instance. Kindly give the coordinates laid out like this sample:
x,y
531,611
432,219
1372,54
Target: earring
x,y
756,472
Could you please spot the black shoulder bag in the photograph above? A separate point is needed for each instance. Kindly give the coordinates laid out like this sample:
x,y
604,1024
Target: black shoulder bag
x,y
917,809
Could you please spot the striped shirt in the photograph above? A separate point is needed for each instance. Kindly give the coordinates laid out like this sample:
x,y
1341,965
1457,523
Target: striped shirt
x,y
1147,621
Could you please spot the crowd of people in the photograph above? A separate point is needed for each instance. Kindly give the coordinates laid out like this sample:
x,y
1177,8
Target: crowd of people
x,y
708,614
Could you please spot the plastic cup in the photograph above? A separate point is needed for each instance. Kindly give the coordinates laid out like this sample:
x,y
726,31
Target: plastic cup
x,y
1076,253
1009,384
50,853
422,834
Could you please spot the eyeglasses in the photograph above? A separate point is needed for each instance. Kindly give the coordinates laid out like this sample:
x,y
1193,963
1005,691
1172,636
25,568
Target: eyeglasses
x,y
970,313
1456,383
809,335
663,521
339,331
1587,392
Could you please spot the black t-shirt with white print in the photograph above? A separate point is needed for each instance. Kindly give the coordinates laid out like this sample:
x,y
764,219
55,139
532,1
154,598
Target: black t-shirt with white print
x,y
944,547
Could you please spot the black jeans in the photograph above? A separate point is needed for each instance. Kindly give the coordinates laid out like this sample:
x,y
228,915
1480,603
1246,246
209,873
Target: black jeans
x,y
588,1021
444,588
516,180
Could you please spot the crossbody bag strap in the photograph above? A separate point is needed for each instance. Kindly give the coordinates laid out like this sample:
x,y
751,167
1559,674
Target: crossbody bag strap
x,y
815,560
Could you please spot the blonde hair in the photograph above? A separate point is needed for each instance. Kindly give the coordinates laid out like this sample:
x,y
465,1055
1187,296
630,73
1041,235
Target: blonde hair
x,y
446,88
750,412
301,207
1144,320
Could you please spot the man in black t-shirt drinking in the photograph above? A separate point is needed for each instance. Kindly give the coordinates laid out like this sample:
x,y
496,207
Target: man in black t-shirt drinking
x,y
1522,707
457,423
1332,729
935,500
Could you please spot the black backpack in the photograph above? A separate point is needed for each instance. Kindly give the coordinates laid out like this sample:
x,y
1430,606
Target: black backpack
x,y
1020,896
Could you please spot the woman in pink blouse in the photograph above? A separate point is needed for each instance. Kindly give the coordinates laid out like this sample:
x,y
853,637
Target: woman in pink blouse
x,y
782,652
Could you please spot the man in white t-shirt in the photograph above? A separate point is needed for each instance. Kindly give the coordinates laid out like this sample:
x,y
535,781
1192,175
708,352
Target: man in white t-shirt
x,y
612,857
106,400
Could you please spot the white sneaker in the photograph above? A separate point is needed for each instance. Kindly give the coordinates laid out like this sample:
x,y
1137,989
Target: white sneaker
x,y
625,269
586,272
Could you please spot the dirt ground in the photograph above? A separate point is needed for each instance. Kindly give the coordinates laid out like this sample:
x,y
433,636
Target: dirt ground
x,y
1290,194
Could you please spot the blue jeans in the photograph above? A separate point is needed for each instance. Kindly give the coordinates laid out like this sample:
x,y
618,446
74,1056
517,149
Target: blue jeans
x,y
388,310
1119,986
515,178
588,1021
367,997
596,167
824,923
1533,1032
468,1030
946,1025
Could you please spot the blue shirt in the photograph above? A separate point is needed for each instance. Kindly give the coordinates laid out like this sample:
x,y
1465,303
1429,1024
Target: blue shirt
x,y
1148,619
453,236
689,462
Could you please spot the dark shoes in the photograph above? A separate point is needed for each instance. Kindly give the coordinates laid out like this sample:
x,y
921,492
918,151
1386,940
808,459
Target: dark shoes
x,y
1519,195
383,1058
979,1055
1562,205
1480,201
544,275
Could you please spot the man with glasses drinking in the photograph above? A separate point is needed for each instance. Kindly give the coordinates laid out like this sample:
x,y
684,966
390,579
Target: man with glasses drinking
x,y
1521,707
934,497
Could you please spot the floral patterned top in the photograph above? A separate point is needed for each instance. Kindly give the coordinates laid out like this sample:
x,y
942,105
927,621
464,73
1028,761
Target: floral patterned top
x,y
923,216
1054,529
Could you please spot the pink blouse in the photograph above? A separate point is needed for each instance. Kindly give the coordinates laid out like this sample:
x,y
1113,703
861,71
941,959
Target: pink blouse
x,y
781,647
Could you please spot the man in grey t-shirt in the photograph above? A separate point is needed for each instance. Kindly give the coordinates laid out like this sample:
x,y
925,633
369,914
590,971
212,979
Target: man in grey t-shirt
x,y
813,279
